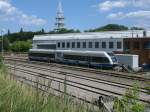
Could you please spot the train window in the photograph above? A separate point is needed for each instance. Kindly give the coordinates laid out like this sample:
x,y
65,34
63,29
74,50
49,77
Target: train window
x,y
87,58
63,45
47,46
78,44
119,44
111,45
73,44
90,44
114,59
103,44
100,59
68,45
58,44
96,44
84,44
110,54
76,57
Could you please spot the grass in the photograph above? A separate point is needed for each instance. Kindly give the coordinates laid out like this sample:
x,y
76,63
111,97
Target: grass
x,y
16,97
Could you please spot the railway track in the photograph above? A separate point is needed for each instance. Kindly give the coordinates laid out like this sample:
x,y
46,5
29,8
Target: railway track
x,y
91,89
126,86
89,70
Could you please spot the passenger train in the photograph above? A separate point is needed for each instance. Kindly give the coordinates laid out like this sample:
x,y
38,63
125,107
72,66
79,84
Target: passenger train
x,y
99,59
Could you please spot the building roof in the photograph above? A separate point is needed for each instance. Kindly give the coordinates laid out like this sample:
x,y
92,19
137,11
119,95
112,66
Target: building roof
x,y
92,35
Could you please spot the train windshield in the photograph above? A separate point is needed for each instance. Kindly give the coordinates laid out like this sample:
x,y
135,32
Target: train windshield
x,y
110,54
114,59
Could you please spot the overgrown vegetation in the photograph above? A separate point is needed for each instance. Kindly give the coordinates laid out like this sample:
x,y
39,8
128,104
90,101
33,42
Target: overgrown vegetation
x,y
148,87
129,102
15,97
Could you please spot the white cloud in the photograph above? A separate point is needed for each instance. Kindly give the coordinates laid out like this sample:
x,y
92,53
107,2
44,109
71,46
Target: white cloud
x,y
111,4
137,14
118,15
140,3
108,5
10,13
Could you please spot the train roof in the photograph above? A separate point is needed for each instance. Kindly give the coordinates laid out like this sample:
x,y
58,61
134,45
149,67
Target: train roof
x,y
67,51
88,35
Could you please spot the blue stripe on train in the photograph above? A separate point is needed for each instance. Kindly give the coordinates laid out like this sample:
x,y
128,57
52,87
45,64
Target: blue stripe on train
x,y
94,65
103,65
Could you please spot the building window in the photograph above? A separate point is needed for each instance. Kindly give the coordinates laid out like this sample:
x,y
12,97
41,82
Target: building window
x,y
73,44
58,44
111,45
68,45
84,44
103,45
90,44
136,45
127,45
96,44
146,45
119,45
78,44
63,45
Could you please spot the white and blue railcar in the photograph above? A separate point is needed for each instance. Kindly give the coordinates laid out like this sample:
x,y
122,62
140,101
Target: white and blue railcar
x,y
91,58
100,59
41,55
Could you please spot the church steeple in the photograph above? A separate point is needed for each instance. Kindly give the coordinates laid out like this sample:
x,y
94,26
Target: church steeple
x,y
59,17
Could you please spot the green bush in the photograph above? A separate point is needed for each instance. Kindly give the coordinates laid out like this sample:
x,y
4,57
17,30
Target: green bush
x,y
21,46
129,102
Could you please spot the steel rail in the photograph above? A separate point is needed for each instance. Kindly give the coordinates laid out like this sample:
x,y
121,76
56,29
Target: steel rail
x,y
43,76
87,70
126,86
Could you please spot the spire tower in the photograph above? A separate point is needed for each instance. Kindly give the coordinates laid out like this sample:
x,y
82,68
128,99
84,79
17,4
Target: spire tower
x,y
59,17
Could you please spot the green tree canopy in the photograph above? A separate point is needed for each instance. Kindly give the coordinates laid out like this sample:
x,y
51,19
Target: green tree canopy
x,y
21,46
64,30
6,43
109,27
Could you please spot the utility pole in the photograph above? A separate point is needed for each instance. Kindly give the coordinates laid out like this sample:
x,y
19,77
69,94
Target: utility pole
x,y
2,47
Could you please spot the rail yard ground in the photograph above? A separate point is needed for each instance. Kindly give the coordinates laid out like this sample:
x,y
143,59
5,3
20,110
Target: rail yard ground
x,y
82,83
17,97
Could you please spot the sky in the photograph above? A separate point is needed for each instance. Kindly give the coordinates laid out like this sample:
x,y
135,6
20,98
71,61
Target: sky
x,y
33,15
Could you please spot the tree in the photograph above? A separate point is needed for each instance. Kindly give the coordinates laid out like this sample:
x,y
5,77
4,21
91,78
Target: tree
x,y
136,28
21,30
109,27
8,33
64,30
21,46
6,43
42,31
24,36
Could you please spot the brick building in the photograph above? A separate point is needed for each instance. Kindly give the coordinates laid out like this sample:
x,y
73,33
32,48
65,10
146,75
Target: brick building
x,y
138,46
